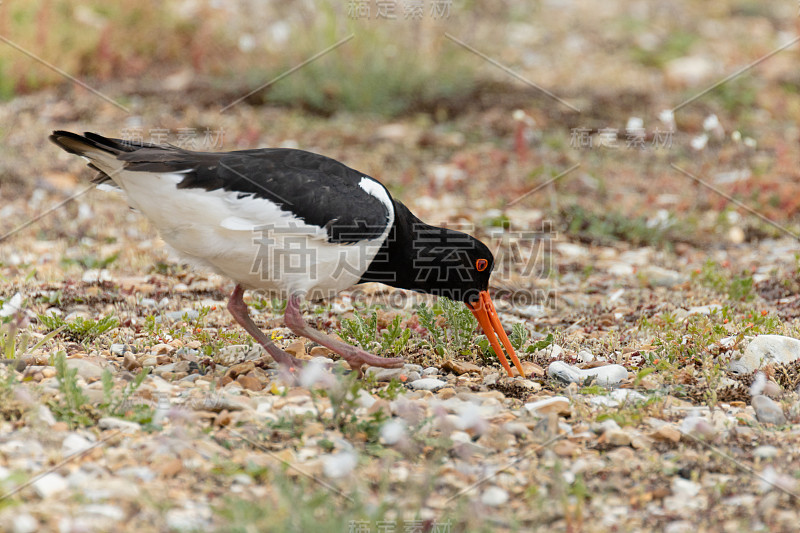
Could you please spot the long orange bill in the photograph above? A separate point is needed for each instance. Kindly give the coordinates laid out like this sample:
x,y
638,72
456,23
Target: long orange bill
x,y
486,314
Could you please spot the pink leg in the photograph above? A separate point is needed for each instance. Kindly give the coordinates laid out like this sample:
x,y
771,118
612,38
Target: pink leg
x,y
238,309
355,357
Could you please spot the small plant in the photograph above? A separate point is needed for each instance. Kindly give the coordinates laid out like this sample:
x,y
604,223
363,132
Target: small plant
x,y
73,405
121,406
457,334
363,330
14,343
81,329
91,261
737,288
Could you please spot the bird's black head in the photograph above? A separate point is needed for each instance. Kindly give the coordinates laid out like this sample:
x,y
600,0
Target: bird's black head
x,y
450,263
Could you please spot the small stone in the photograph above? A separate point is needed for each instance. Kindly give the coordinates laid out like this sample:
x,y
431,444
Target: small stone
x,y
445,393
661,277
24,523
149,362
119,349
428,384
530,369
616,437
494,497
297,349
161,349
768,411
666,433
126,426
704,309
171,468
130,363
320,351
385,374
765,451
50,485
764,349
339,464
74,443
566,448
556,404
460,367
430,371
605,376
393,431
240,369
86,369
250,383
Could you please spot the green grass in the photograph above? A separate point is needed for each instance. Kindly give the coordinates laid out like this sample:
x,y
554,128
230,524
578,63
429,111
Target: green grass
x,y
363,330
80,329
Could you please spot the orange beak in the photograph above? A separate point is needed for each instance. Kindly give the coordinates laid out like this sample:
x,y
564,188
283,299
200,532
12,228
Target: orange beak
x,y
486,314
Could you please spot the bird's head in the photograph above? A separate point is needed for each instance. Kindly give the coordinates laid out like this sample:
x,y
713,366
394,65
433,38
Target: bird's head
x,y
458,266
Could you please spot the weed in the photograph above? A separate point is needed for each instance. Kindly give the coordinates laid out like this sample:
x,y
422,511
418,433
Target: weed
x,y
81,329
120,406
90,261
363,330
73,405
14,344
737,288
456,335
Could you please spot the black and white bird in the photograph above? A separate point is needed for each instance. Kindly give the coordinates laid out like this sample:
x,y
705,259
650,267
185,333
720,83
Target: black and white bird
x,y
295,225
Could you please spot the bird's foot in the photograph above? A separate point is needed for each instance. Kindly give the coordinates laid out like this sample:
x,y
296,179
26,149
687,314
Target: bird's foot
x,y
356,358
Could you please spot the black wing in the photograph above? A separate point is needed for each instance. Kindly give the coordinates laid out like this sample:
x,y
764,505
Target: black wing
x,y
315,188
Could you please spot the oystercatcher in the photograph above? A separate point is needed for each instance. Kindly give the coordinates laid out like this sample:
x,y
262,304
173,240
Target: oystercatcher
x,y
296,225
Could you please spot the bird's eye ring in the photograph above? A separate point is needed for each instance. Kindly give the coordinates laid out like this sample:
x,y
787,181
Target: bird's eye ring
x,y
481,264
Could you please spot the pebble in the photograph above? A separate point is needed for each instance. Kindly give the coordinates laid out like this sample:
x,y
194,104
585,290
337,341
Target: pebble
x,y
605,376
74,443
393,431
704,309
768,411
460,367
385,374
430,371
86,369
126,426
339,464
119,349
50,484
666,433
764,349
429,384
616,437
661,277
494,496
24,523
556,404
250,383
765,451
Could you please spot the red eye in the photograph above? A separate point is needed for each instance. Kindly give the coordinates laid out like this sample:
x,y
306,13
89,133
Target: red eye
x,y
481,264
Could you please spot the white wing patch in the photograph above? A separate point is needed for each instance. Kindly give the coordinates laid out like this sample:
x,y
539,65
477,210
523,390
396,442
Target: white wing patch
x,y
377,190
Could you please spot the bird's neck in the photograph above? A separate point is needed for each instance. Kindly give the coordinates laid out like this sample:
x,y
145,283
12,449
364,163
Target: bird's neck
x,y
411,255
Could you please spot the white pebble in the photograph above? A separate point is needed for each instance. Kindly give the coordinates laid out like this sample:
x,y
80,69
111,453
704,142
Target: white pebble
x,y
494,497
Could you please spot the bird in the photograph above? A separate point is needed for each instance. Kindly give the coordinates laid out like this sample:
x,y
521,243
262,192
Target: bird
x,y
296,225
